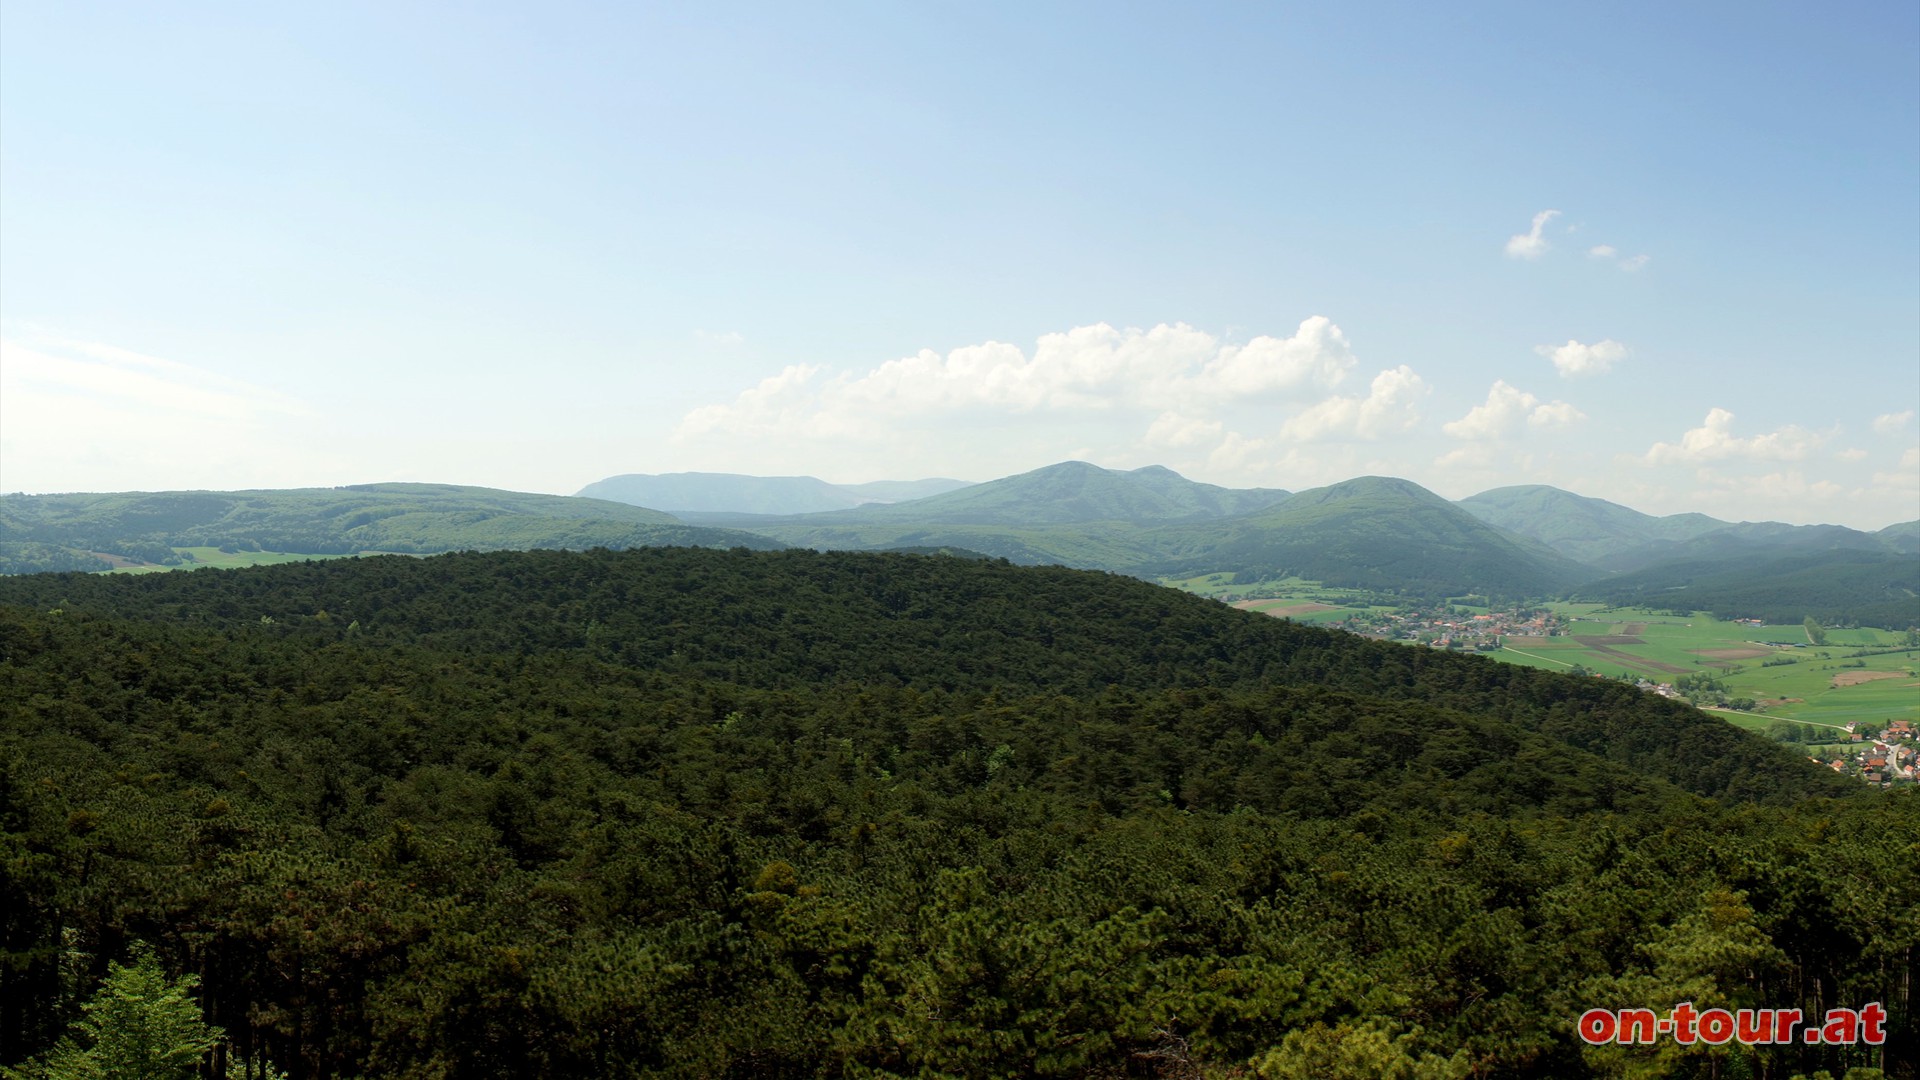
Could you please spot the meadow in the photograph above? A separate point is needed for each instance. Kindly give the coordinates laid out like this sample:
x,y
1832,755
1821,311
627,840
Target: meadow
x,y
1294,598
1774,665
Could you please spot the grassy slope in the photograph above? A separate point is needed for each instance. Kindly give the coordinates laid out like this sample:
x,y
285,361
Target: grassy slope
x,y
1807,685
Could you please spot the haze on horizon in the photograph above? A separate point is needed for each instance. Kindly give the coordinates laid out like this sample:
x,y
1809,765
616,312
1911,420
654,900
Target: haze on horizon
x,y
1663,257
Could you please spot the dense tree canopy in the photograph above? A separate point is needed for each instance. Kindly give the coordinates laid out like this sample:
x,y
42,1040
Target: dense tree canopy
x,y
676,812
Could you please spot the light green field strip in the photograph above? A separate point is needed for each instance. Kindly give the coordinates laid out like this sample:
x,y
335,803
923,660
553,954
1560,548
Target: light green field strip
x,y
1535,656
204,557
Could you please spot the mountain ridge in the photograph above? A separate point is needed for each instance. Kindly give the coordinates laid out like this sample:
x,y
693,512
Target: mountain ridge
x,y
739,493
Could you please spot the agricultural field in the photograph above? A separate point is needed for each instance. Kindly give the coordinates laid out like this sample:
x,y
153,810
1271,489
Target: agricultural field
x,y
1773,665
1298,599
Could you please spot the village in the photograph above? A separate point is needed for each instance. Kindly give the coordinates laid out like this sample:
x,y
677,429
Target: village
x,y
1888,756
1449,627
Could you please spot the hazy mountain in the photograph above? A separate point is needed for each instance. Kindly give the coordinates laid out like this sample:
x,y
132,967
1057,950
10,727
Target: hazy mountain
x,y
1585,529
1071,492
734,493
1845,586
1903,538
411,518
892,491
1374,532
1748,541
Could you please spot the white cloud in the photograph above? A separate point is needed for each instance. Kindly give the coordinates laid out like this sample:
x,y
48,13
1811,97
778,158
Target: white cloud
x,y
779,402
1554,414
1889,423
1609,253
1172,430
1714,440
1171,395
1391,404
1531,244
1506,408
1575,360
1168,369
1853,454
727,338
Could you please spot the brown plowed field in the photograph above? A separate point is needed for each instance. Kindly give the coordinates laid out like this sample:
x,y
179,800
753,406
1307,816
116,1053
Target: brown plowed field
x,y
1600,643
1732,654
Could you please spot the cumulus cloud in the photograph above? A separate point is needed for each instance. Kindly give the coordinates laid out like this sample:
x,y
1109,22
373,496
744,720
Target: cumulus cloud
x,y
776,403
1852,454
1391,404
1170,369
1574,360
727,338
1531,244
1888,423
1171,395
1506,408
1174,431
1602,251
1714,440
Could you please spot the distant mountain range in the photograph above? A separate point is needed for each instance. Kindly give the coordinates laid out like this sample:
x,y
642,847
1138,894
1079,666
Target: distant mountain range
x,y
1376,533
63,532
733,493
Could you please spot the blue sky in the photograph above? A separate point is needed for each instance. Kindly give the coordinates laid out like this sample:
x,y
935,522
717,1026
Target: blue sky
x,y
531,246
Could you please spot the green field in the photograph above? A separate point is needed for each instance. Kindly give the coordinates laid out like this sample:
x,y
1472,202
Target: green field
x,y
1274,597
1823,685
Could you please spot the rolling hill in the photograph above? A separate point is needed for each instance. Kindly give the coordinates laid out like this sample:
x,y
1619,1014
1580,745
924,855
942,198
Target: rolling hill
x,y
406,518
1584,529
1847,587
1373,532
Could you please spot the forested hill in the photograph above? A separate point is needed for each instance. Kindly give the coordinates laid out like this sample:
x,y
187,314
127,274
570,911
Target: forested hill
x,y
40,532
801,618
1374,532
694,813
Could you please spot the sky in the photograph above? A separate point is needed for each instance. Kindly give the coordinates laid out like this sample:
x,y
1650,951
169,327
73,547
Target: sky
x,y
1663,254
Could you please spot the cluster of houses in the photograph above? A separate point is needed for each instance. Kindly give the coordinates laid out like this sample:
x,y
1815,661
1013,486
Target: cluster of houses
x,y
1892,756
1445,629
1664,689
